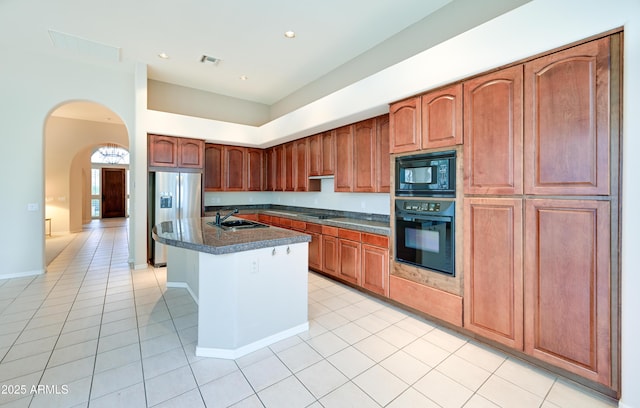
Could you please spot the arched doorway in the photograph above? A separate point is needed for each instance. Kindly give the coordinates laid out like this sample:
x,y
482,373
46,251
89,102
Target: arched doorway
x,y
74,131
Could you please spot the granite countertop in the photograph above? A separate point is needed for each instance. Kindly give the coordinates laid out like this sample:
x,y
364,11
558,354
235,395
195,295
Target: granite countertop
x,y
197,235
359,222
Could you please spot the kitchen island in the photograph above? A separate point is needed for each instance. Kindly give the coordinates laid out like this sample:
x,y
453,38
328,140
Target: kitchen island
x,y
250,282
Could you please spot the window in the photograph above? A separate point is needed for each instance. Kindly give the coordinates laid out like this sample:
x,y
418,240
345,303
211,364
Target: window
x,y
110,154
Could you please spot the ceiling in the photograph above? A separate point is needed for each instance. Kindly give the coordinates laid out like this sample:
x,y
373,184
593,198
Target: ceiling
x,y
247,36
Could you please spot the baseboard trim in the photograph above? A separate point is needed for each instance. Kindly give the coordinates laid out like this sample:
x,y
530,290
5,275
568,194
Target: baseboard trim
x,y
21,274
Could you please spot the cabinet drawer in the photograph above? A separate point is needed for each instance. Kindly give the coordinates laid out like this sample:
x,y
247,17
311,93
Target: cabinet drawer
x,y
349,234
326,230
298,225
317,228
376,240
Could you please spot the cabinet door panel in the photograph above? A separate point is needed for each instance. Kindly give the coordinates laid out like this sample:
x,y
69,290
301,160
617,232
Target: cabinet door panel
x,y
328,153
493,269
289,167
493,133
235,168
375,269
315,155
442,117
344,159
315,251
349,261
330,255
279,168
254,169
163,151
567,121
364,156
213,167
567,276
383,159
404,124
190,153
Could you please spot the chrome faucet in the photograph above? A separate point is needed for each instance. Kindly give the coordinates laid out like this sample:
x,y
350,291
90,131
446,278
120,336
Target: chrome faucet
x,y
219,220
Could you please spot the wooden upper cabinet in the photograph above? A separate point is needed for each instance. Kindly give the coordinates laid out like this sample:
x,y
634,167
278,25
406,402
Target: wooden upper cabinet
x,y
269,169
315,155
328,153
383,159
289,167
493,269
567,130
301,161
190,153
213,167
442,117
255,169
279,168
344,159
163,151
568,285
405,125
493,133
235,168
364,156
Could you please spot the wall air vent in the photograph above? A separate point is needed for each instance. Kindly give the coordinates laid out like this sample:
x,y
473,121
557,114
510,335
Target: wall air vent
x,y
210,60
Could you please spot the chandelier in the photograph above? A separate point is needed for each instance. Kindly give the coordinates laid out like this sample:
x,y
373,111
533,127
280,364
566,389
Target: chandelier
x,y
113,154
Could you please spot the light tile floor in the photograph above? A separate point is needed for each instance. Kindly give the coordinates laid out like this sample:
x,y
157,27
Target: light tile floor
x,y
92,333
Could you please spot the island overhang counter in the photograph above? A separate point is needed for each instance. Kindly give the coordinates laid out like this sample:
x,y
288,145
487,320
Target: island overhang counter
x,y
250,284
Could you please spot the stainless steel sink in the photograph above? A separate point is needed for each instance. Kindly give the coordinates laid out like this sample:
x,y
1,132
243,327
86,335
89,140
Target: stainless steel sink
x,y
233,225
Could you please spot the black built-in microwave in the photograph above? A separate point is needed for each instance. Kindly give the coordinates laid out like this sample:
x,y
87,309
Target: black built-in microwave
x,y
426,175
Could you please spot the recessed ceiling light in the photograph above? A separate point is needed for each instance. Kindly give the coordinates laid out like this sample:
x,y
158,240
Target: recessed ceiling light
x,y
211,60
290,34
163,55
244,77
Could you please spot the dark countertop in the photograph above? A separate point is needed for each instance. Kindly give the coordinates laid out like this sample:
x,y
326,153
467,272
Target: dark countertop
x,y
371,223
197,235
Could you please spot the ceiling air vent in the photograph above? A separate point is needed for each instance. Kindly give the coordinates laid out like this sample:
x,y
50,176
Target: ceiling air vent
x,y
210,60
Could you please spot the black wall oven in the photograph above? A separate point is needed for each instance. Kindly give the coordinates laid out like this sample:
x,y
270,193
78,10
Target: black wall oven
x,y
426,175
425,234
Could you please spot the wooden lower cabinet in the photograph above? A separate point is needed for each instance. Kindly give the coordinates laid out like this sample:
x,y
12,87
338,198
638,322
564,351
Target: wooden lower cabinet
x,y
315,246
349,261
375,269
493,298
330,255
567,301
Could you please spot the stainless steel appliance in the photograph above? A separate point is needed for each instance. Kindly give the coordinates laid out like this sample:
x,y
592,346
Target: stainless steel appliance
x,y
425,234
426,175
171,196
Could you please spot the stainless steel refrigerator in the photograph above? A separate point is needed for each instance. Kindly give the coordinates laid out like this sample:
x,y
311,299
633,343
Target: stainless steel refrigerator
x,y
171,196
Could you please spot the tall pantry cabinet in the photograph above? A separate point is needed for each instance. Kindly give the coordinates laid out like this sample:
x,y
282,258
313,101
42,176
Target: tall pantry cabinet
x,y
540,208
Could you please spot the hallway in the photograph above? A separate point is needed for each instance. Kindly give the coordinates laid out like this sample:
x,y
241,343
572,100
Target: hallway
x,y
97,334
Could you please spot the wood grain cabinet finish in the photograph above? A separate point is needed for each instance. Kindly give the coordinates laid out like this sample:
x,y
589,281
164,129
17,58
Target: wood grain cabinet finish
x,y
567,281
315,155
375,264
330,254
364,156
383,158
279,168
190,153
493,123
269,169
301,168
163,151
349,260
493,270
343,180
255,169
322,153
405,125
235,168
567,133
289,166
213,167
442,117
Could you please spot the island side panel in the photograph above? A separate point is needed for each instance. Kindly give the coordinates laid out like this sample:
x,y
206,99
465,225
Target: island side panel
x,y
183,270
250,299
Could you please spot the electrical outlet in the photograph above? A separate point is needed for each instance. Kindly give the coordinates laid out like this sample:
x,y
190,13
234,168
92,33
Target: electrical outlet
x,y
254,266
